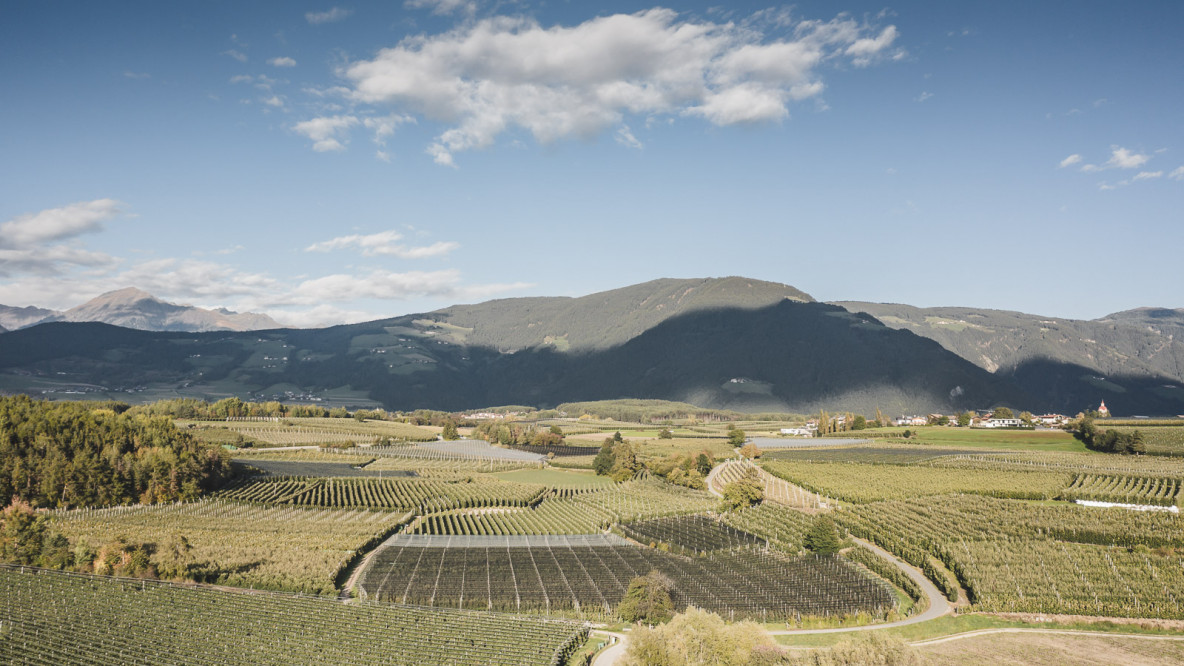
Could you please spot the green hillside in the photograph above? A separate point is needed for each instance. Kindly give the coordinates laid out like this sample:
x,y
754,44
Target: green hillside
x,y
729,343
1148,342
605,319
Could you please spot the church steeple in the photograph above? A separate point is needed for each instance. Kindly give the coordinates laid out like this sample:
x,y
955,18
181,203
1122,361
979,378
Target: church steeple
x,y
1102,411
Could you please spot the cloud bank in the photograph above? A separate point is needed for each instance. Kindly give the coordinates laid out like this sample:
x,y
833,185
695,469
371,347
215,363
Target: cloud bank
x,y
46,264
498,74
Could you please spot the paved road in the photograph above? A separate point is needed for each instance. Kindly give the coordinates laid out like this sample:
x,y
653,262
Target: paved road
x,y
612,653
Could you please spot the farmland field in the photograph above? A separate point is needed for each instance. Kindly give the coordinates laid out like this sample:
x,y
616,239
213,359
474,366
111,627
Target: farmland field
x,y
592,579
1023,440
470,527
1161,440
58,618
1029,557
305,431
868,483
885,455
572,511
401,494
278,548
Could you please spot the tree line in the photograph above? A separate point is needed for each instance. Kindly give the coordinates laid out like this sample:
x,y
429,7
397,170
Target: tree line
x,y
77,454
1110,440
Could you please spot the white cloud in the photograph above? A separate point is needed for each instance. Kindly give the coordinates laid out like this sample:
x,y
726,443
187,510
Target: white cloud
x,y
1126,159
1070,160
384,126
192,278
443,6
275,101
57,223
1148,175
49,260
488,76
327,133
385,243
45,264
236,54
624,136
1177,173
924,96
137,75
319,316
866,49
282,62
383,285
330,16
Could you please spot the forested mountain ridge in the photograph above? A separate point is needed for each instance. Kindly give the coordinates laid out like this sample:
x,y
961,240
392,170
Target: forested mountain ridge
x,y
1146,342
605,319
727,343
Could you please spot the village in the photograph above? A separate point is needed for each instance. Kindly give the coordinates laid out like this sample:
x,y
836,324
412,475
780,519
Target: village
x,y
1000,417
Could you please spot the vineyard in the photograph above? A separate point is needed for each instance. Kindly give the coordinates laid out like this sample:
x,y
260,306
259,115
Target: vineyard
x,y
783,528
572,511
451,530
419,495
251,456
1146,490
561,451
690,535
454,455
1066,461
1021,557
297,431
776,489
1161,440
1059,577
66,619
390,463
868,483
277,548
590,580
322,469
871,455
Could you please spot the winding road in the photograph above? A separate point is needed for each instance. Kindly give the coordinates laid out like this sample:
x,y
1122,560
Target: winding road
x,y
938,605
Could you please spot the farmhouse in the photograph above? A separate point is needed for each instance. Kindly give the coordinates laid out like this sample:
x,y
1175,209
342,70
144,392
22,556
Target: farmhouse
x,y
1001,423
798,432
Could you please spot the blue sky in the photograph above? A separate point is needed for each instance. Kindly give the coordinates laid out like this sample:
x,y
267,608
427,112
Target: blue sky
x,y
340,162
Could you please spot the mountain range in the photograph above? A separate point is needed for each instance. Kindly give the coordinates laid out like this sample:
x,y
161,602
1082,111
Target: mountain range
x,y
730,343
134,308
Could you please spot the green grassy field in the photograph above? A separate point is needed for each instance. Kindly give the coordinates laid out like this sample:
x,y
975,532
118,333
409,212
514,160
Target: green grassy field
x,y
555,478
1017,440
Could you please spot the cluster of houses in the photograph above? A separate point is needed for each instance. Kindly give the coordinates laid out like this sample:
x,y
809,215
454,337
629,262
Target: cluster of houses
x,y
979,419
986,419
489,416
